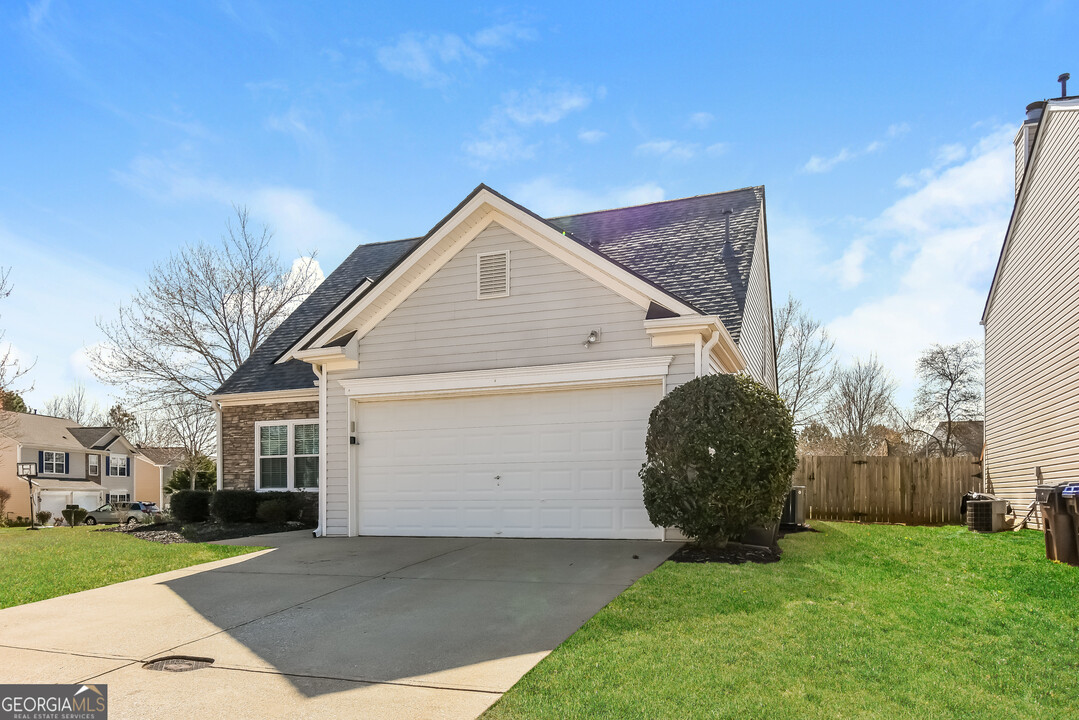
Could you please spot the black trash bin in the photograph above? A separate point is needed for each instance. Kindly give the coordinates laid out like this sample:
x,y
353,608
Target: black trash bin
x,y
1060,537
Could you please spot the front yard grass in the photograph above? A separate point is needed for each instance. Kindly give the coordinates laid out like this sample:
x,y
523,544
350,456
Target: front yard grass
x,y
57,561
856,621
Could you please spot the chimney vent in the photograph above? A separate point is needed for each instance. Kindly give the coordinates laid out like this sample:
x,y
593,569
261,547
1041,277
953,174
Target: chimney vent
x,y
1063,80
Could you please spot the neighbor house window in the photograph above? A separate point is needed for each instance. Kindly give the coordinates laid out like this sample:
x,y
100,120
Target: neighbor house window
x,y
54,463
287,455
121,497
118,465
92,465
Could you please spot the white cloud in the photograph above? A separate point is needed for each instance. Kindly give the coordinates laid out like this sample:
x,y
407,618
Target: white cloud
x,y
953,228
701,120
431,58
504,35
669,149
500,136
591,136
425,57
849,269
48,326
824,163
716,149
299,223
818,164
542,106
548,197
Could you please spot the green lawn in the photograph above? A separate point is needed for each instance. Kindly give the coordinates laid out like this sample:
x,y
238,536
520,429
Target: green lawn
x,y
856,621
57,561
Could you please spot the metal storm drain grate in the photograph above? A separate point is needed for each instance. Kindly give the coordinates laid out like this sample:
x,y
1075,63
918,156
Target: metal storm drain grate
x,y
178,663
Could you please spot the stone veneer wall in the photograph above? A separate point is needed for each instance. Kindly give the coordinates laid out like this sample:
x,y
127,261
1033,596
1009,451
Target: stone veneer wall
x,y
238,437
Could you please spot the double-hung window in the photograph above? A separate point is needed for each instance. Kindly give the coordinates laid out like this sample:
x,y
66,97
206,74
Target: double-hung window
x,y
117,465
287,455
92,464
54,463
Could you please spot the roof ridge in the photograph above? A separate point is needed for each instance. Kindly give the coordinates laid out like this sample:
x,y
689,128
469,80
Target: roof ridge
x,y
657,202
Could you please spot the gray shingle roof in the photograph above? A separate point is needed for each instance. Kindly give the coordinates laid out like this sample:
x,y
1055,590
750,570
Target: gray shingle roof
x,y
90,436
682,246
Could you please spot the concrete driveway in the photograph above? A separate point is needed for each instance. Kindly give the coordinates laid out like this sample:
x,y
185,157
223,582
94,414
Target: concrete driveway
x,y
359,627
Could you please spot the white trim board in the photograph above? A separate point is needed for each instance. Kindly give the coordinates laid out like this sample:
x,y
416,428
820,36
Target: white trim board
x,y
601,373
266,398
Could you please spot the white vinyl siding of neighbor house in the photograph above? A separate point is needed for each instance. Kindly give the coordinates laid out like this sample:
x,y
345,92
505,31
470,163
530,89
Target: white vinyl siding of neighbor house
x,y
1031,328
757,341
444,327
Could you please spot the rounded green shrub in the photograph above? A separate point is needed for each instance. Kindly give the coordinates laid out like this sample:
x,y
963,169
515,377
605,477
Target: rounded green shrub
x,y
721,451
73,515
190,506
43,517
274,512
234,506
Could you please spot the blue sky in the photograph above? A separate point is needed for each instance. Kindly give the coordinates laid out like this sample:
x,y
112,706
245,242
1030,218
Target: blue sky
x,y
882,135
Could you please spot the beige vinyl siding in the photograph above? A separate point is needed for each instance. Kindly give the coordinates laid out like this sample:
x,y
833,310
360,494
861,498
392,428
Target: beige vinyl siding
x,y
551,308
757,341
76,464
335,475
1032,328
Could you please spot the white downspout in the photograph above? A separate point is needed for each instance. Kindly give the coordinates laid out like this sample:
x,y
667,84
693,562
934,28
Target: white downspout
x,y
706,353
320,373
220,452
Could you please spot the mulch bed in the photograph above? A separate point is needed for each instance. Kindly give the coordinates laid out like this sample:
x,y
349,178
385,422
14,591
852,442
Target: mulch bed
x,y
172,533
736,553
731,554
164,534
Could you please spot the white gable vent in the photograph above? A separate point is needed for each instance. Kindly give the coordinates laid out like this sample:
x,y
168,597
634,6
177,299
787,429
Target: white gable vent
x,y
493,275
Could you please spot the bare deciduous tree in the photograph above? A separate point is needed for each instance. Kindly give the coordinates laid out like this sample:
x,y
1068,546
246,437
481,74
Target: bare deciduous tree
x,y
949,391
75,406
12,371
804,362
861,400
200,315
188,425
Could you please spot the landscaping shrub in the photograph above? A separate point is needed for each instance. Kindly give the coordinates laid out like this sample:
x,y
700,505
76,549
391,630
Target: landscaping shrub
x,y
73,516
235,506
721,450
275,512
301,505
43,517
191,505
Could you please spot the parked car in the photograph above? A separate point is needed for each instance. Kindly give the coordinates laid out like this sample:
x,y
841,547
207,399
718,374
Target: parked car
x,y
119,512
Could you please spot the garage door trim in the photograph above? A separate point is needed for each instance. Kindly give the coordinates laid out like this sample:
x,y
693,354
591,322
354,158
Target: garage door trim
x,y
600,373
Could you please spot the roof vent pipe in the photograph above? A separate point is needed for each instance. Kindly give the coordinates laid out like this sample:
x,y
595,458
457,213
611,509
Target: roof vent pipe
x,y
1063,79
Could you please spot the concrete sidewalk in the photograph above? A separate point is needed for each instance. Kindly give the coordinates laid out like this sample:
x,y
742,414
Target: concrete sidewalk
x,y
371,627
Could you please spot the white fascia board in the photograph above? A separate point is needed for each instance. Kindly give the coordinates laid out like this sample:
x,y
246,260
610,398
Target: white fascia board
x,y
601,373
482,210
330,358
266,398
667,332
321,325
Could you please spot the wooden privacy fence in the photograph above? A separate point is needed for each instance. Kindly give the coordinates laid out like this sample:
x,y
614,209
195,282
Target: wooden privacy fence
x,y
911,490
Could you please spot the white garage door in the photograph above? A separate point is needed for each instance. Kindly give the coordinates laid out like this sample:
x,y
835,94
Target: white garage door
x,y
541,464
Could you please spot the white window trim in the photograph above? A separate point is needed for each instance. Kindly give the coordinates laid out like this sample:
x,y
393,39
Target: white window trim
x,y
93,460
290,483
108,466
53,453
479,280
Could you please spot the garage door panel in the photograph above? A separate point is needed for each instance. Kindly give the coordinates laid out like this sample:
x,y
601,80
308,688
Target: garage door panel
x,y
549,464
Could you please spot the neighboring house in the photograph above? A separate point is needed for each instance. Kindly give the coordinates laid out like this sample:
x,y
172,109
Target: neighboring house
x,y
111,460
495,376
68,473
1031,317
967,438
153,468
